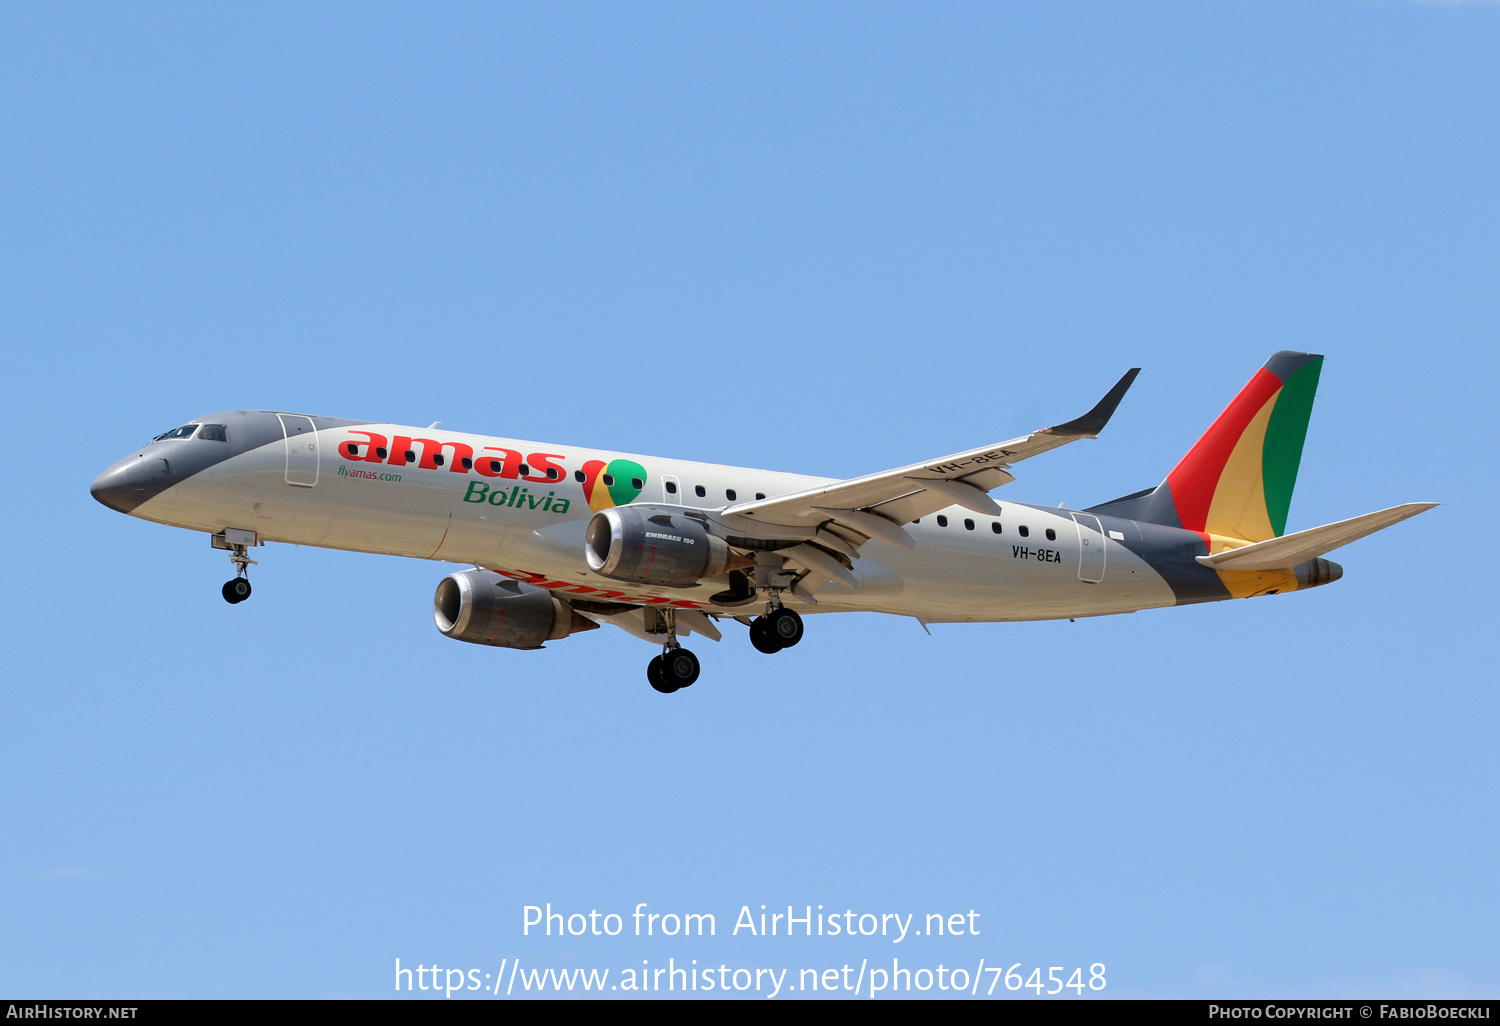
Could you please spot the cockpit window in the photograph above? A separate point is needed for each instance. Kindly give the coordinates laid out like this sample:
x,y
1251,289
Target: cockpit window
x,y
186,431
213,433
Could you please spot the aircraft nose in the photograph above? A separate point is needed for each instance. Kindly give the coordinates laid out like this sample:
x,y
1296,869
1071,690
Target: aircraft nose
x,y
132,481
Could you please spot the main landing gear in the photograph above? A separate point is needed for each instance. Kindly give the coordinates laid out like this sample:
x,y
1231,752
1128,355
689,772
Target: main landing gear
x,y
778,629
676,668
673,670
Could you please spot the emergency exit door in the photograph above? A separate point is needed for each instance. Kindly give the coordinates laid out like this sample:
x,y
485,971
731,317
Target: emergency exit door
x,y
301,450
1090,548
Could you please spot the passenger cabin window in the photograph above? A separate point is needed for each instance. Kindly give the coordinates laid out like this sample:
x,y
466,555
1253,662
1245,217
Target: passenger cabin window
x,y
411,457
1025,532
553,473
525,470
942,520
609,480
213,433
760,495
438,460
637,483
1051,534
699,491
729,494
186,431
671,487
578,476
995,526
968,525
468,463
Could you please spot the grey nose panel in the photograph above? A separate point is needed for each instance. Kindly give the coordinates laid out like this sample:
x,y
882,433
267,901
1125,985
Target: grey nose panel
x,y
161,464
132,481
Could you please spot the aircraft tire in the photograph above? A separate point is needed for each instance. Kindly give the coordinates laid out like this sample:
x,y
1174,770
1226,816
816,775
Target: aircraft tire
x,y
680,667
785,625
762,638
235,591
658,680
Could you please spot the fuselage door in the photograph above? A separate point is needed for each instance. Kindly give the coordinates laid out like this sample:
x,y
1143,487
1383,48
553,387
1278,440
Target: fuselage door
x,y
301,450
671,489
1090,548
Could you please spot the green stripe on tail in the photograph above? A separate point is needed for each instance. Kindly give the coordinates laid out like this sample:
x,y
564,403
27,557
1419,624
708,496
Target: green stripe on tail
x,y
1285,433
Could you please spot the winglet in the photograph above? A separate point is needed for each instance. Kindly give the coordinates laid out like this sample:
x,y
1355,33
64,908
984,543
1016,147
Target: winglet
x,y
1092,422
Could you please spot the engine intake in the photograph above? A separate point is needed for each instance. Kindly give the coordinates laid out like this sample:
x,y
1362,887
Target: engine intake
x,y
652,545
485,608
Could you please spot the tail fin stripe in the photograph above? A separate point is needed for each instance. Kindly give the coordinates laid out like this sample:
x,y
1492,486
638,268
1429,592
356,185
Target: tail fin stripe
x,y
1235,484
1284,437
1194,480
1238,509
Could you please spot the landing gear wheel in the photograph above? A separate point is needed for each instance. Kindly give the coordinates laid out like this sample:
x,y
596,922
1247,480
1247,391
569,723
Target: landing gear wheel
x,y
237,590
657,679
679,667
762,638
785,626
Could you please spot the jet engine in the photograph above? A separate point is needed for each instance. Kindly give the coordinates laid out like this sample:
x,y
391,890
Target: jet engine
x,y
487,609
656,545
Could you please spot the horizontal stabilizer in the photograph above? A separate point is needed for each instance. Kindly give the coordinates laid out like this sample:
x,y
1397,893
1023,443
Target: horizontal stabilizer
x,y
1292,549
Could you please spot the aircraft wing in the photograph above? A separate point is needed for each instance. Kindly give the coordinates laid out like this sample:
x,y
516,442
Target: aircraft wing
x,y
633,621
876,504
642,621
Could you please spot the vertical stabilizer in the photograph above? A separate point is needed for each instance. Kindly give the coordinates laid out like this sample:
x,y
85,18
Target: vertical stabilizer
x,y
1237,481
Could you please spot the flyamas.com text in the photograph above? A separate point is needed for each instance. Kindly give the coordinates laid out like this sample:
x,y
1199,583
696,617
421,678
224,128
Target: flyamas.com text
x,y
673,977
539,921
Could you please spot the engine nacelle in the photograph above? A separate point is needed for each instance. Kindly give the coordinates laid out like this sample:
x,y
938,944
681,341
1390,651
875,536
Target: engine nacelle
x,y
487,609
656,545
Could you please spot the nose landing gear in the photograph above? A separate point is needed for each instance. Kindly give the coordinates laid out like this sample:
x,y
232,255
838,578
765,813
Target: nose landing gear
x,y
237,589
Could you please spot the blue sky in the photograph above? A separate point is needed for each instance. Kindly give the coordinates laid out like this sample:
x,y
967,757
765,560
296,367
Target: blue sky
x,y
827,239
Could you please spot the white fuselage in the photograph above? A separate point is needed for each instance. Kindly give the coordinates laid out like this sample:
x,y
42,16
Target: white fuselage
x,y
316,495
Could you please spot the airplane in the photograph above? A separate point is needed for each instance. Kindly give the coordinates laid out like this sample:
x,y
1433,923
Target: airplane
x,y
562,539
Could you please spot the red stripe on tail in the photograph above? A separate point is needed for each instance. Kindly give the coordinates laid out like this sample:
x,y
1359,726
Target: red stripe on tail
x,y
1194,480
